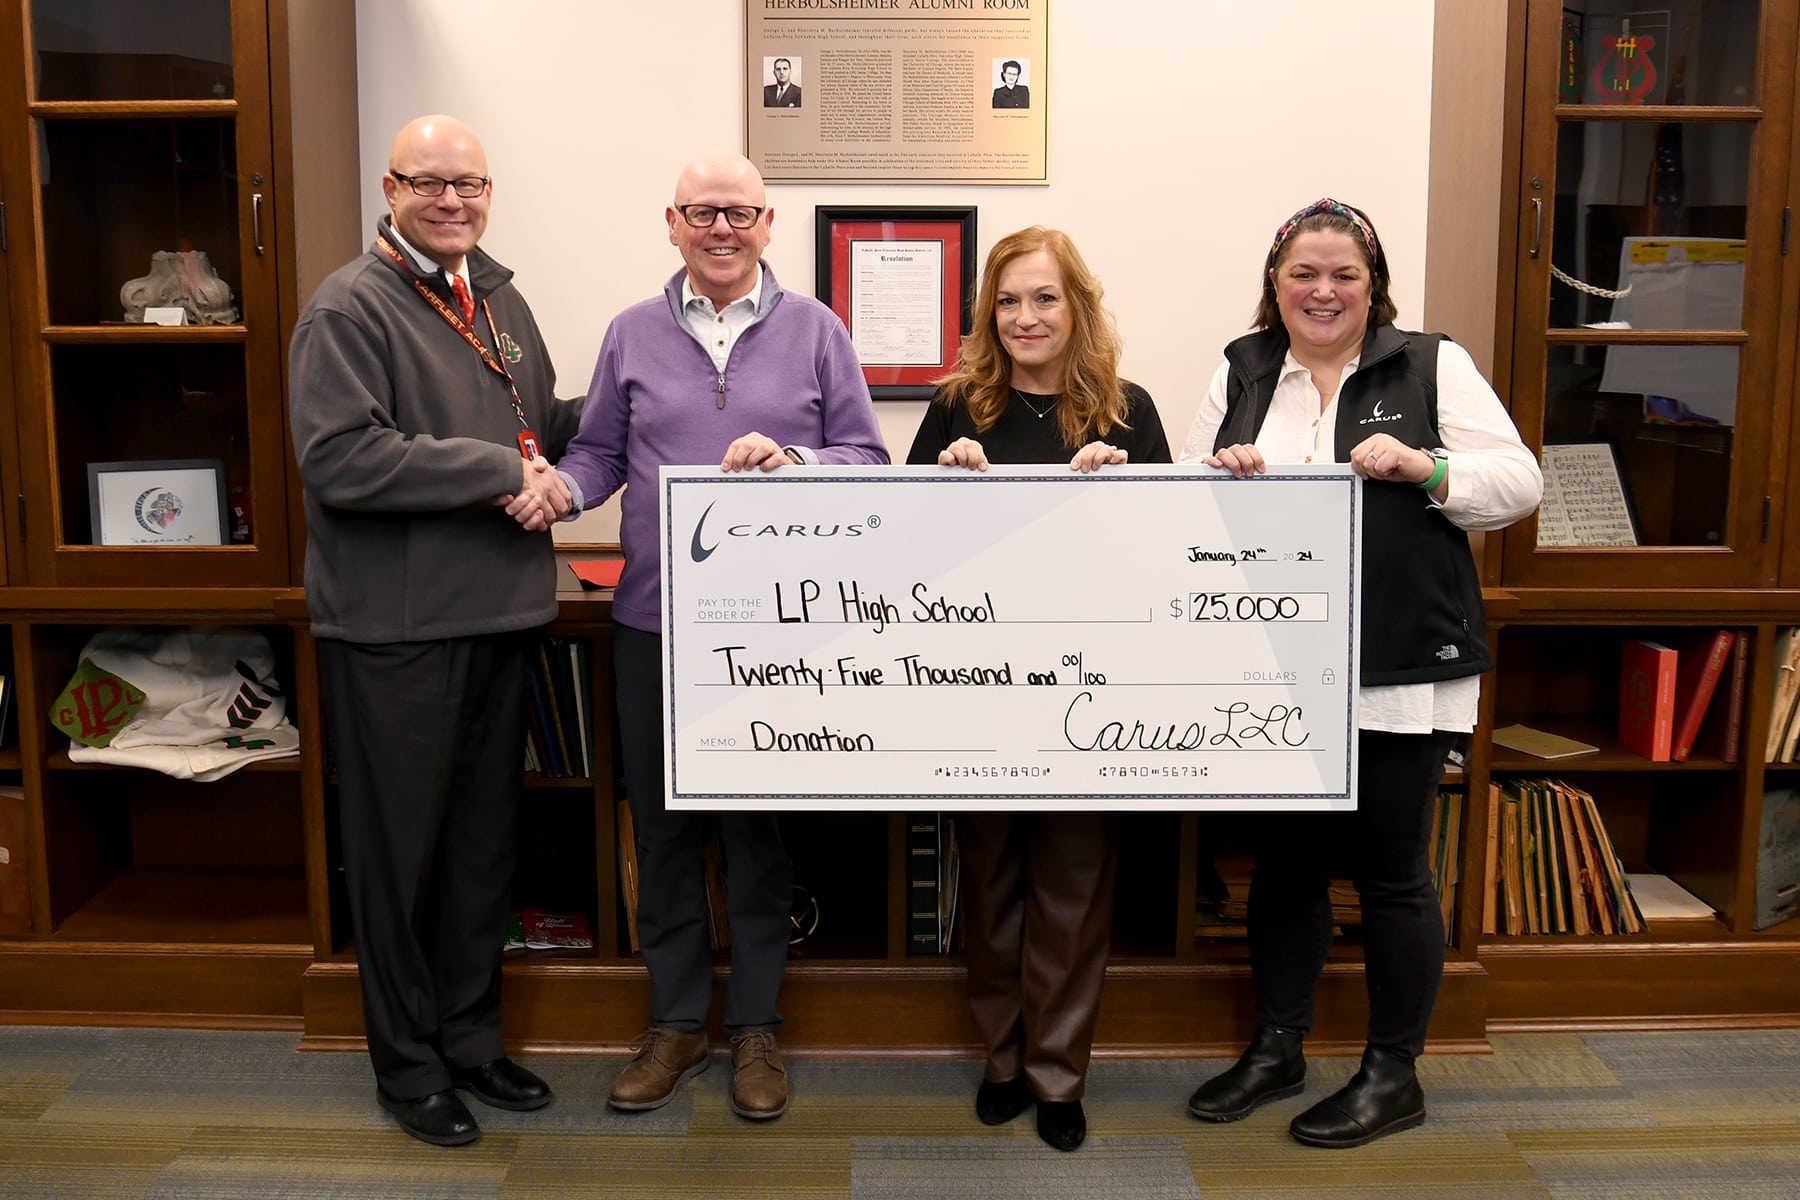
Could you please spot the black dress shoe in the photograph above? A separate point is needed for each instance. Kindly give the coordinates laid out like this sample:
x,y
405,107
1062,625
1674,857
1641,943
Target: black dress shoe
x,y
440,1118
1382,1098
1061,1123
998,1103
1273,1067
503,1083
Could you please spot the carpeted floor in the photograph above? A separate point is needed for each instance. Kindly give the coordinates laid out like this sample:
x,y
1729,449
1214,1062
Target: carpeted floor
x,y
175,1115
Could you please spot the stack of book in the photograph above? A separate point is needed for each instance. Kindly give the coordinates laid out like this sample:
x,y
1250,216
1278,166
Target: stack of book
x,y
559,737
1674,699
1550,865
1446,870
1784,728
933,881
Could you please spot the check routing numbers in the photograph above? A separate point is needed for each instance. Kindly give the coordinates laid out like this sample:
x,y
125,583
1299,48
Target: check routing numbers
x,y
1145,637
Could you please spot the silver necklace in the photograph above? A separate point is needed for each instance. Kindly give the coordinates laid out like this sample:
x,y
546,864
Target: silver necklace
x,y
1039,413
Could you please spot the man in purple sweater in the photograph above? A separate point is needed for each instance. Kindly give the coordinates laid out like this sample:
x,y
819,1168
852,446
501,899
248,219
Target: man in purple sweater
x,y
724,366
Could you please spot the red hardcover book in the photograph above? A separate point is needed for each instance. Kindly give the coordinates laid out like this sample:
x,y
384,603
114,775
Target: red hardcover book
x,y
1722,732
1647,698
1696,678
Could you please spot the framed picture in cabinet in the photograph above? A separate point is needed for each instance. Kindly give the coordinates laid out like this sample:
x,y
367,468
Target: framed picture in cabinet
x,y
172,502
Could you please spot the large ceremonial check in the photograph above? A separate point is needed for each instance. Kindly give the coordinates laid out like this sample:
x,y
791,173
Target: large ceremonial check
x,y
1144,637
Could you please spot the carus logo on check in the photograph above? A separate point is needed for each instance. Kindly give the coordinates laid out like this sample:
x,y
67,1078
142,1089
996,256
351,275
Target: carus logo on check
x,y
700,551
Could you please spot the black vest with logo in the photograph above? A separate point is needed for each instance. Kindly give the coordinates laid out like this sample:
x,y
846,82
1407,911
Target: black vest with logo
x,y
1422,618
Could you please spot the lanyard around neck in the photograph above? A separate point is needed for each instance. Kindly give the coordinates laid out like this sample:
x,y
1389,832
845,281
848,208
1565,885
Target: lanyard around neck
x,y
457,323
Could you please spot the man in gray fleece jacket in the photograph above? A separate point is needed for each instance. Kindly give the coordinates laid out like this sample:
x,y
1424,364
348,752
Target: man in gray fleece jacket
x,y
423,402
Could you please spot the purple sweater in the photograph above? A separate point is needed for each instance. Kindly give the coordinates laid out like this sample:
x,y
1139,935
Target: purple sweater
x,y
793,375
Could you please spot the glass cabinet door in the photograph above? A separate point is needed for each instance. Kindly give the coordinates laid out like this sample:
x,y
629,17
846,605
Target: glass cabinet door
x,y
152,432
1654,150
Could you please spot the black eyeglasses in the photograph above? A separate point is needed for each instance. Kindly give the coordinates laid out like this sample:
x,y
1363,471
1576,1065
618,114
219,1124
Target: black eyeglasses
x,y
424,185
702,216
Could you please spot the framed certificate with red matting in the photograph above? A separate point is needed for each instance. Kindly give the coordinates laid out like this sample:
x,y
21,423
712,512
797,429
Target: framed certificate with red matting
x,y
902,280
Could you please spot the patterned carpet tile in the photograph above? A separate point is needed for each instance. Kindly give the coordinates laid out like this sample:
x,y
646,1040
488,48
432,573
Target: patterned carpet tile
x,y
300,1164
772,1164
215,1079
1689,1161
83,1163
1256,1158
40,1064
1117,1168
847,1098
1762,1061
180,1115
1539,1061
1724,1106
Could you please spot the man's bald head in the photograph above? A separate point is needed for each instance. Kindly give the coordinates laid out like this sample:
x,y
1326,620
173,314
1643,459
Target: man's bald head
x,y
447,226
724,170
721,259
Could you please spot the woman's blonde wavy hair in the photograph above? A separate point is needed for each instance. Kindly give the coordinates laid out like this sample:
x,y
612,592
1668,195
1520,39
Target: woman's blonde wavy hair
x,y
1093,401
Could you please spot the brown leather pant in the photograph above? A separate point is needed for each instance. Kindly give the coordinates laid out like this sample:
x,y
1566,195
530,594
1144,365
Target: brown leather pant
x,y
1039,894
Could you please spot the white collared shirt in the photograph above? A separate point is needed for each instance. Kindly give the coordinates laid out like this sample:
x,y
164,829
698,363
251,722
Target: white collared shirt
x,y
1494,480
424,267
718,330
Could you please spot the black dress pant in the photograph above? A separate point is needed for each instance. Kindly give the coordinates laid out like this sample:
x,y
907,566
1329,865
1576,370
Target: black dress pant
x,y
429,744
1385,848
1038,890
671,858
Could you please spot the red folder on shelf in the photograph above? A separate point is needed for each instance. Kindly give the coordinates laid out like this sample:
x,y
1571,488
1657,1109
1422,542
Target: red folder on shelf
x,y
598,572
1696,679
1647,699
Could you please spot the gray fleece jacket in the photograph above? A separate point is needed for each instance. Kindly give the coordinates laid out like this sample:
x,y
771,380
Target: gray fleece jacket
x,y
404,438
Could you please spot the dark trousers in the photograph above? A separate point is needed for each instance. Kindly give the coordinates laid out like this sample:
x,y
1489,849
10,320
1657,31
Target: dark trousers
x,y
429,742
671,857
1039,895
1385,849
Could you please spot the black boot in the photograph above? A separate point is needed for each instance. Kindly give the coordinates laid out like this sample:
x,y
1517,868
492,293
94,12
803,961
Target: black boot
x,y
1271,1068
1382,1098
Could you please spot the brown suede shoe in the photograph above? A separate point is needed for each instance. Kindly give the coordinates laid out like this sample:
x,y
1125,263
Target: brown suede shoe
x,y
665,1057
759,1088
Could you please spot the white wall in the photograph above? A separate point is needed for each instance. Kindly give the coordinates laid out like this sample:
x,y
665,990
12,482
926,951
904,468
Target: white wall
x,y
1227,116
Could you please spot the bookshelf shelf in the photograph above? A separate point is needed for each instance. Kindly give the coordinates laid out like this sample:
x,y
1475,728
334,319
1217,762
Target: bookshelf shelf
x,y
577,783
59,761
201,906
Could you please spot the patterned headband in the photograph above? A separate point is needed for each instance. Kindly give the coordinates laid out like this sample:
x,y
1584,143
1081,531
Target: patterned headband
x,y
1327,205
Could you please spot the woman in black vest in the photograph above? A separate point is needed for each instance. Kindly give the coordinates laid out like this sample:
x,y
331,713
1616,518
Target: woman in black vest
x,y
1328,378
1037,381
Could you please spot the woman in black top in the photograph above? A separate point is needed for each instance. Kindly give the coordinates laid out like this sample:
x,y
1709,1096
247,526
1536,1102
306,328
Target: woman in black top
x,y
1037,381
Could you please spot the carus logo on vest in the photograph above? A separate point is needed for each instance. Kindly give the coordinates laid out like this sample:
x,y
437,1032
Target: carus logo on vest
x,y
710,535
1378,417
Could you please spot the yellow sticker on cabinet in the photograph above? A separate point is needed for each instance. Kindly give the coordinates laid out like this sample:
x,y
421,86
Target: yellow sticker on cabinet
x,y
1696,250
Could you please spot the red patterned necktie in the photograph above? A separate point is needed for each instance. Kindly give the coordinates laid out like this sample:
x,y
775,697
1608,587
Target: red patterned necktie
x,y
464,301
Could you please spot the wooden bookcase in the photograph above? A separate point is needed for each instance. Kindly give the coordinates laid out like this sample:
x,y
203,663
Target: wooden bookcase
x,y
1695,160
155,901
129,130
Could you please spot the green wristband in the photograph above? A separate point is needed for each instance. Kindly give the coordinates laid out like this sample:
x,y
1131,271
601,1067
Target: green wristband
x,y
1437,473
